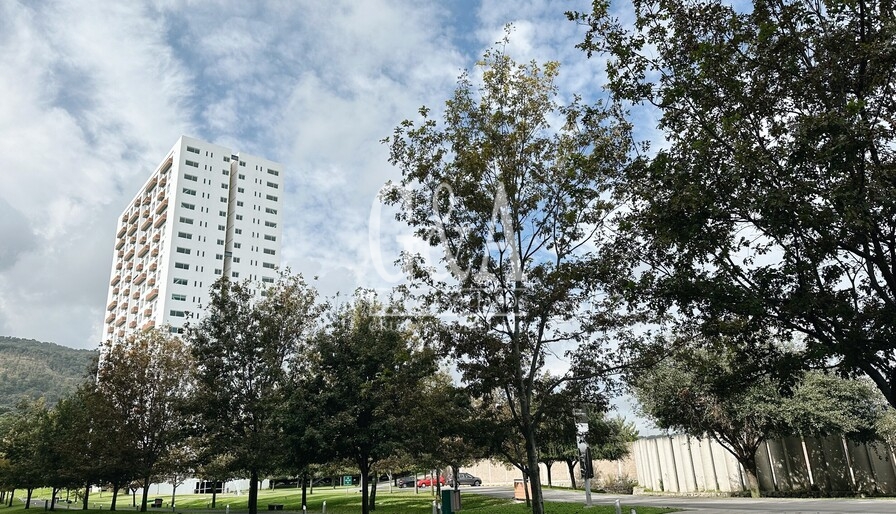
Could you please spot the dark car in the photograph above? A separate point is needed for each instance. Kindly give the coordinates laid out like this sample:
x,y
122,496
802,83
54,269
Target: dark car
x,y
405,481
465,479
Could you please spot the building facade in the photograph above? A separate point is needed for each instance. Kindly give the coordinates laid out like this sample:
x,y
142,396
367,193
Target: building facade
x,y
205,212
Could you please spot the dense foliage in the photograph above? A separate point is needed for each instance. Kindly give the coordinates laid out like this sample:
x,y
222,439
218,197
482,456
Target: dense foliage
x,y
31,369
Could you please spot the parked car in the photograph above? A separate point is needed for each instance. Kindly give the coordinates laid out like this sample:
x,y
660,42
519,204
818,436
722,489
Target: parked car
x,y
405,481
428,481
465,479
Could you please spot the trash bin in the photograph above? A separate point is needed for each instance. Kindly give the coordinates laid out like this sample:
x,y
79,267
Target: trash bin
x,y
450,501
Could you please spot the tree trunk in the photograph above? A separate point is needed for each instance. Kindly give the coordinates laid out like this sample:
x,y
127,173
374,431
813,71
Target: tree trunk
x,y
214,492
253,492
173,491
533,470
304,491
28,491
55,491
752,476
86,496
364,467
145,494
12,495
115,487
373,494
571,465
547,466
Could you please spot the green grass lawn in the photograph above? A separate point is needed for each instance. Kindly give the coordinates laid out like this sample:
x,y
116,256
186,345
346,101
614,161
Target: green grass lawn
x,y
339,501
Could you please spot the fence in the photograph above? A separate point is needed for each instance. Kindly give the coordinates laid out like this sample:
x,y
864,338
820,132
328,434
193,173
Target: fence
x,y
833,465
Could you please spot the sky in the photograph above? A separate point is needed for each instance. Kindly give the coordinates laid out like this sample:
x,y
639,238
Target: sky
x,y
94,94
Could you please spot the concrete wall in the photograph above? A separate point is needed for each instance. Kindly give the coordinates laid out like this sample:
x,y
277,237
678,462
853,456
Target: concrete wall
x,y
685,464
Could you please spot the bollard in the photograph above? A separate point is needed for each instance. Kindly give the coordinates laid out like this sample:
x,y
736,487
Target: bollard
x,y
325,508
227,509
618,507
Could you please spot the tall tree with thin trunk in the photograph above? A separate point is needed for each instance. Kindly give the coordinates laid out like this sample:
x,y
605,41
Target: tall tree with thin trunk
x,y
147,378
243,349
512,187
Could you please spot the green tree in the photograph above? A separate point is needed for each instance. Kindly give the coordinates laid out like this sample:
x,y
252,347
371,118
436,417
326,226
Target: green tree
x,y
364,370
146,377
730,396
243,349
512,187
774,196
21,443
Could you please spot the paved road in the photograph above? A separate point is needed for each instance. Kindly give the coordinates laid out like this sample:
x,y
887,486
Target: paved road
x,y
701,505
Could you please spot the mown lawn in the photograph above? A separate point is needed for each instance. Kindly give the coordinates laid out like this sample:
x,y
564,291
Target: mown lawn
x,y
338,501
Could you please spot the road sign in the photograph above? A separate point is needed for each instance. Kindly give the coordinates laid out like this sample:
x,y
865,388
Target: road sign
x,y
347,480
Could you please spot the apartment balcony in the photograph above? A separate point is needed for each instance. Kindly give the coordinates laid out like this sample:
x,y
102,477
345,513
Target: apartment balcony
x,y
146,200
146,223
148,325
124,306
118,265
152,294
135,309
129,265
124,218
116,280
120,254
139,280
110,318
153,266
143,250
161,195
151,282
132,228
143,239
132,324
152,183
163,181
110,329
162,206
111,305
147,312
126,291
134,215
135,296
120,321
156,237
155,252
127,279
115,291
133,239
139,267
119,243
129,255
121,333
161,220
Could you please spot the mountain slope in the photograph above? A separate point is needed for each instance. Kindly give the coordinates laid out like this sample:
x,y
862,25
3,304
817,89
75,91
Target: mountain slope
x,y
31,369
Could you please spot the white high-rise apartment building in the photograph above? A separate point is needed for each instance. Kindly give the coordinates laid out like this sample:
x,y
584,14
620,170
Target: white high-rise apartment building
x,y
206,211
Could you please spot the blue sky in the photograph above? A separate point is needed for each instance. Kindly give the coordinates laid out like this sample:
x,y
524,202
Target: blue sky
x,y
93,94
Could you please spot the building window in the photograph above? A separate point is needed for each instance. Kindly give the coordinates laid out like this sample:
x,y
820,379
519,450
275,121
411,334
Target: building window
x,y
223,199
186,205
222,213
236,260
242,163
194,150
270,211
239,203
241,176
225,172
191,192
226,159
237,245
273,172
224,186
274,185
239,231
268,265
185,235
270,224
183,250
220,241
270,251
222,227
177,314
272,198
235,274
179,297
239,216
219,257
240,190
217,271
267,280
188,221
181,265
192,163
180,281
269,237
194,178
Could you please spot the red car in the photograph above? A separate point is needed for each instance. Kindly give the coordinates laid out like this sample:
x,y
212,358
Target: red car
x,y
428,481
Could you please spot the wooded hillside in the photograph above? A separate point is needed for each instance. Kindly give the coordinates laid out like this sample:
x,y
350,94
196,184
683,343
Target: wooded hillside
x,y
31,369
